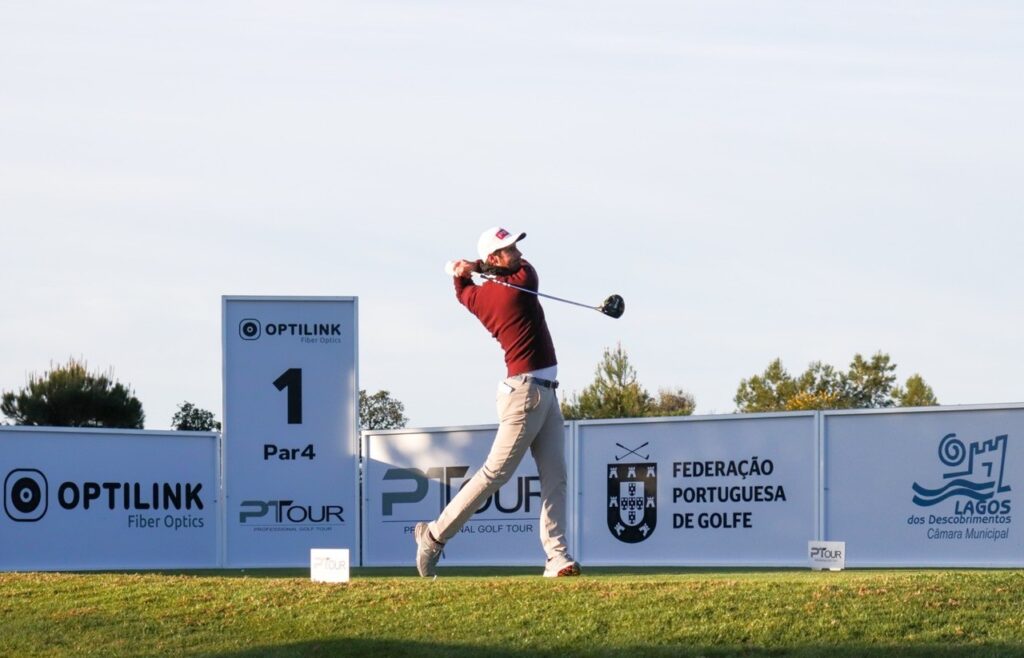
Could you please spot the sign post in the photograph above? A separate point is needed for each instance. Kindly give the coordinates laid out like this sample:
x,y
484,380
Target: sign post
x,y
290,427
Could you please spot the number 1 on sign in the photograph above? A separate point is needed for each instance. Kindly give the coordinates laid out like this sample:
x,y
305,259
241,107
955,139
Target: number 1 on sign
x,y
292,380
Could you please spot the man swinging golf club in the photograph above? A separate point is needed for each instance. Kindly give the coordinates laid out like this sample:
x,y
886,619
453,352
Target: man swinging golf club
x,y
527,405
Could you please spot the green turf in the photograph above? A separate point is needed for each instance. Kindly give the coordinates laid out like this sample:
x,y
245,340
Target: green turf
x,y
513,612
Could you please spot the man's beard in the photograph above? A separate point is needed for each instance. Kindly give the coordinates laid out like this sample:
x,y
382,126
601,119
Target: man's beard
x,y
494,270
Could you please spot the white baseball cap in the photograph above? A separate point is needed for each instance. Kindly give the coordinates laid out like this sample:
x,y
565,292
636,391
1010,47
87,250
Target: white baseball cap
x,y
495,238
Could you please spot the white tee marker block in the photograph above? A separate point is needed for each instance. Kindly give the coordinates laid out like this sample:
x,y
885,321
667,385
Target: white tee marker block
x,y
829,555
328,565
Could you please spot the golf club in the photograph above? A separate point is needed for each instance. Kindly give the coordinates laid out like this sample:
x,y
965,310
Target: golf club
x,y
613,306
632,452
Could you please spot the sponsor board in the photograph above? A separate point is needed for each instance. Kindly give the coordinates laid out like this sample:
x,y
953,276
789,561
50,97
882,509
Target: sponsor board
x,y
732,490
931,487
129,499
290,418
410,475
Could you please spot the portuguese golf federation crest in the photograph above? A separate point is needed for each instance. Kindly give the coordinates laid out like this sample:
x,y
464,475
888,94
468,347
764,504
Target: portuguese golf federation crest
x,y
632,501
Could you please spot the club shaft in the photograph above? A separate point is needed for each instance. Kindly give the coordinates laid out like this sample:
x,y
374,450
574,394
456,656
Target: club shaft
x,y
539,294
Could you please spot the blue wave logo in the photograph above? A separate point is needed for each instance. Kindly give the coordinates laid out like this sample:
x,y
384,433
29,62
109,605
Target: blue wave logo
x,y
976,471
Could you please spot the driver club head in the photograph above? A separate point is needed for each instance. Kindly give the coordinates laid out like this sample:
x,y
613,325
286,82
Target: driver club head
x,y
614,306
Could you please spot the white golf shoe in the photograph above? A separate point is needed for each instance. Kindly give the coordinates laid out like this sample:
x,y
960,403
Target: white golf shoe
x,y
561,566
428,551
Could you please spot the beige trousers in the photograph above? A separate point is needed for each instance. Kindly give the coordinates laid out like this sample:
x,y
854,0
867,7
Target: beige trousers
x,y
530,418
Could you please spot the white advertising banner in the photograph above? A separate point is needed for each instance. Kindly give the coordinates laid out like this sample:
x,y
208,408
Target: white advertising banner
x,y
713,490
290,428
80,499
409,476
935,487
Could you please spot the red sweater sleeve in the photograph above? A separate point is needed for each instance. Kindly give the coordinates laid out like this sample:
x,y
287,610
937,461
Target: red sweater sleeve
x,y
465,290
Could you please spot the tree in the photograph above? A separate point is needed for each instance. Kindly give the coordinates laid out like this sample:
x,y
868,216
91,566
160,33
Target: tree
x,y
70,396
616,393
767,392
380,411
870,382
916,393
673,402
190,418
867,384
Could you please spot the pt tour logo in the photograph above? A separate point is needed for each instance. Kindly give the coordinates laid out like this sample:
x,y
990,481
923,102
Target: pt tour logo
x,y
974,476
632,497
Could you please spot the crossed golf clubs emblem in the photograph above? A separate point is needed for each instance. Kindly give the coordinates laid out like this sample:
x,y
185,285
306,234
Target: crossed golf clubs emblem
x,y
632,452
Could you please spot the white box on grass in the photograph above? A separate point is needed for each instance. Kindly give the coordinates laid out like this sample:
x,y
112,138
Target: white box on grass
x,y
827,555
328,565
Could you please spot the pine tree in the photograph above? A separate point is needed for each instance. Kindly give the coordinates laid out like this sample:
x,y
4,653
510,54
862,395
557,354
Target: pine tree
x,y
617,393
867,384
70,396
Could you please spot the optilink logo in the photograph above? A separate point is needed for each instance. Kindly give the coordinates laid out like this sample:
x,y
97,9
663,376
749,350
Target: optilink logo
x,y
252,329
975,474
25,494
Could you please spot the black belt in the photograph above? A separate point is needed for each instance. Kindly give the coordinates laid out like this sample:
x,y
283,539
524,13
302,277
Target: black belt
x,y
546,383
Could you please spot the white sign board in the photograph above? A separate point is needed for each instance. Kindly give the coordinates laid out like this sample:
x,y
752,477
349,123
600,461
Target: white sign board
x,y
409,476
108,499
290,428
714,490
925,488
829,555
329,565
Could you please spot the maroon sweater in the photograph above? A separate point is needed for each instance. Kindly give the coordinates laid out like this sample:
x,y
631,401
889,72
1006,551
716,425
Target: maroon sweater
x,y
513,317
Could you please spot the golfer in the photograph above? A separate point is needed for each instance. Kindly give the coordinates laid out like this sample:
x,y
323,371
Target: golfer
x,y
527,405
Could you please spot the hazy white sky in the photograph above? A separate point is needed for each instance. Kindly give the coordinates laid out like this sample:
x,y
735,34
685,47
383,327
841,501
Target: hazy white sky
x,y
803,180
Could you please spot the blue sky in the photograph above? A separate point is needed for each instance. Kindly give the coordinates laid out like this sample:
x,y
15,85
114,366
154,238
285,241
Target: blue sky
x,y
804,180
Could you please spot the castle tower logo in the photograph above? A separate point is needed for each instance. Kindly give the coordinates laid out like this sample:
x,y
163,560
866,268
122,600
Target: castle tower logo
x,y
632,499
974,476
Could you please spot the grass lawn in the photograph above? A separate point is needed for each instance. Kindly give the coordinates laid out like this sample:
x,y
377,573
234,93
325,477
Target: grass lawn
x,y
511,612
